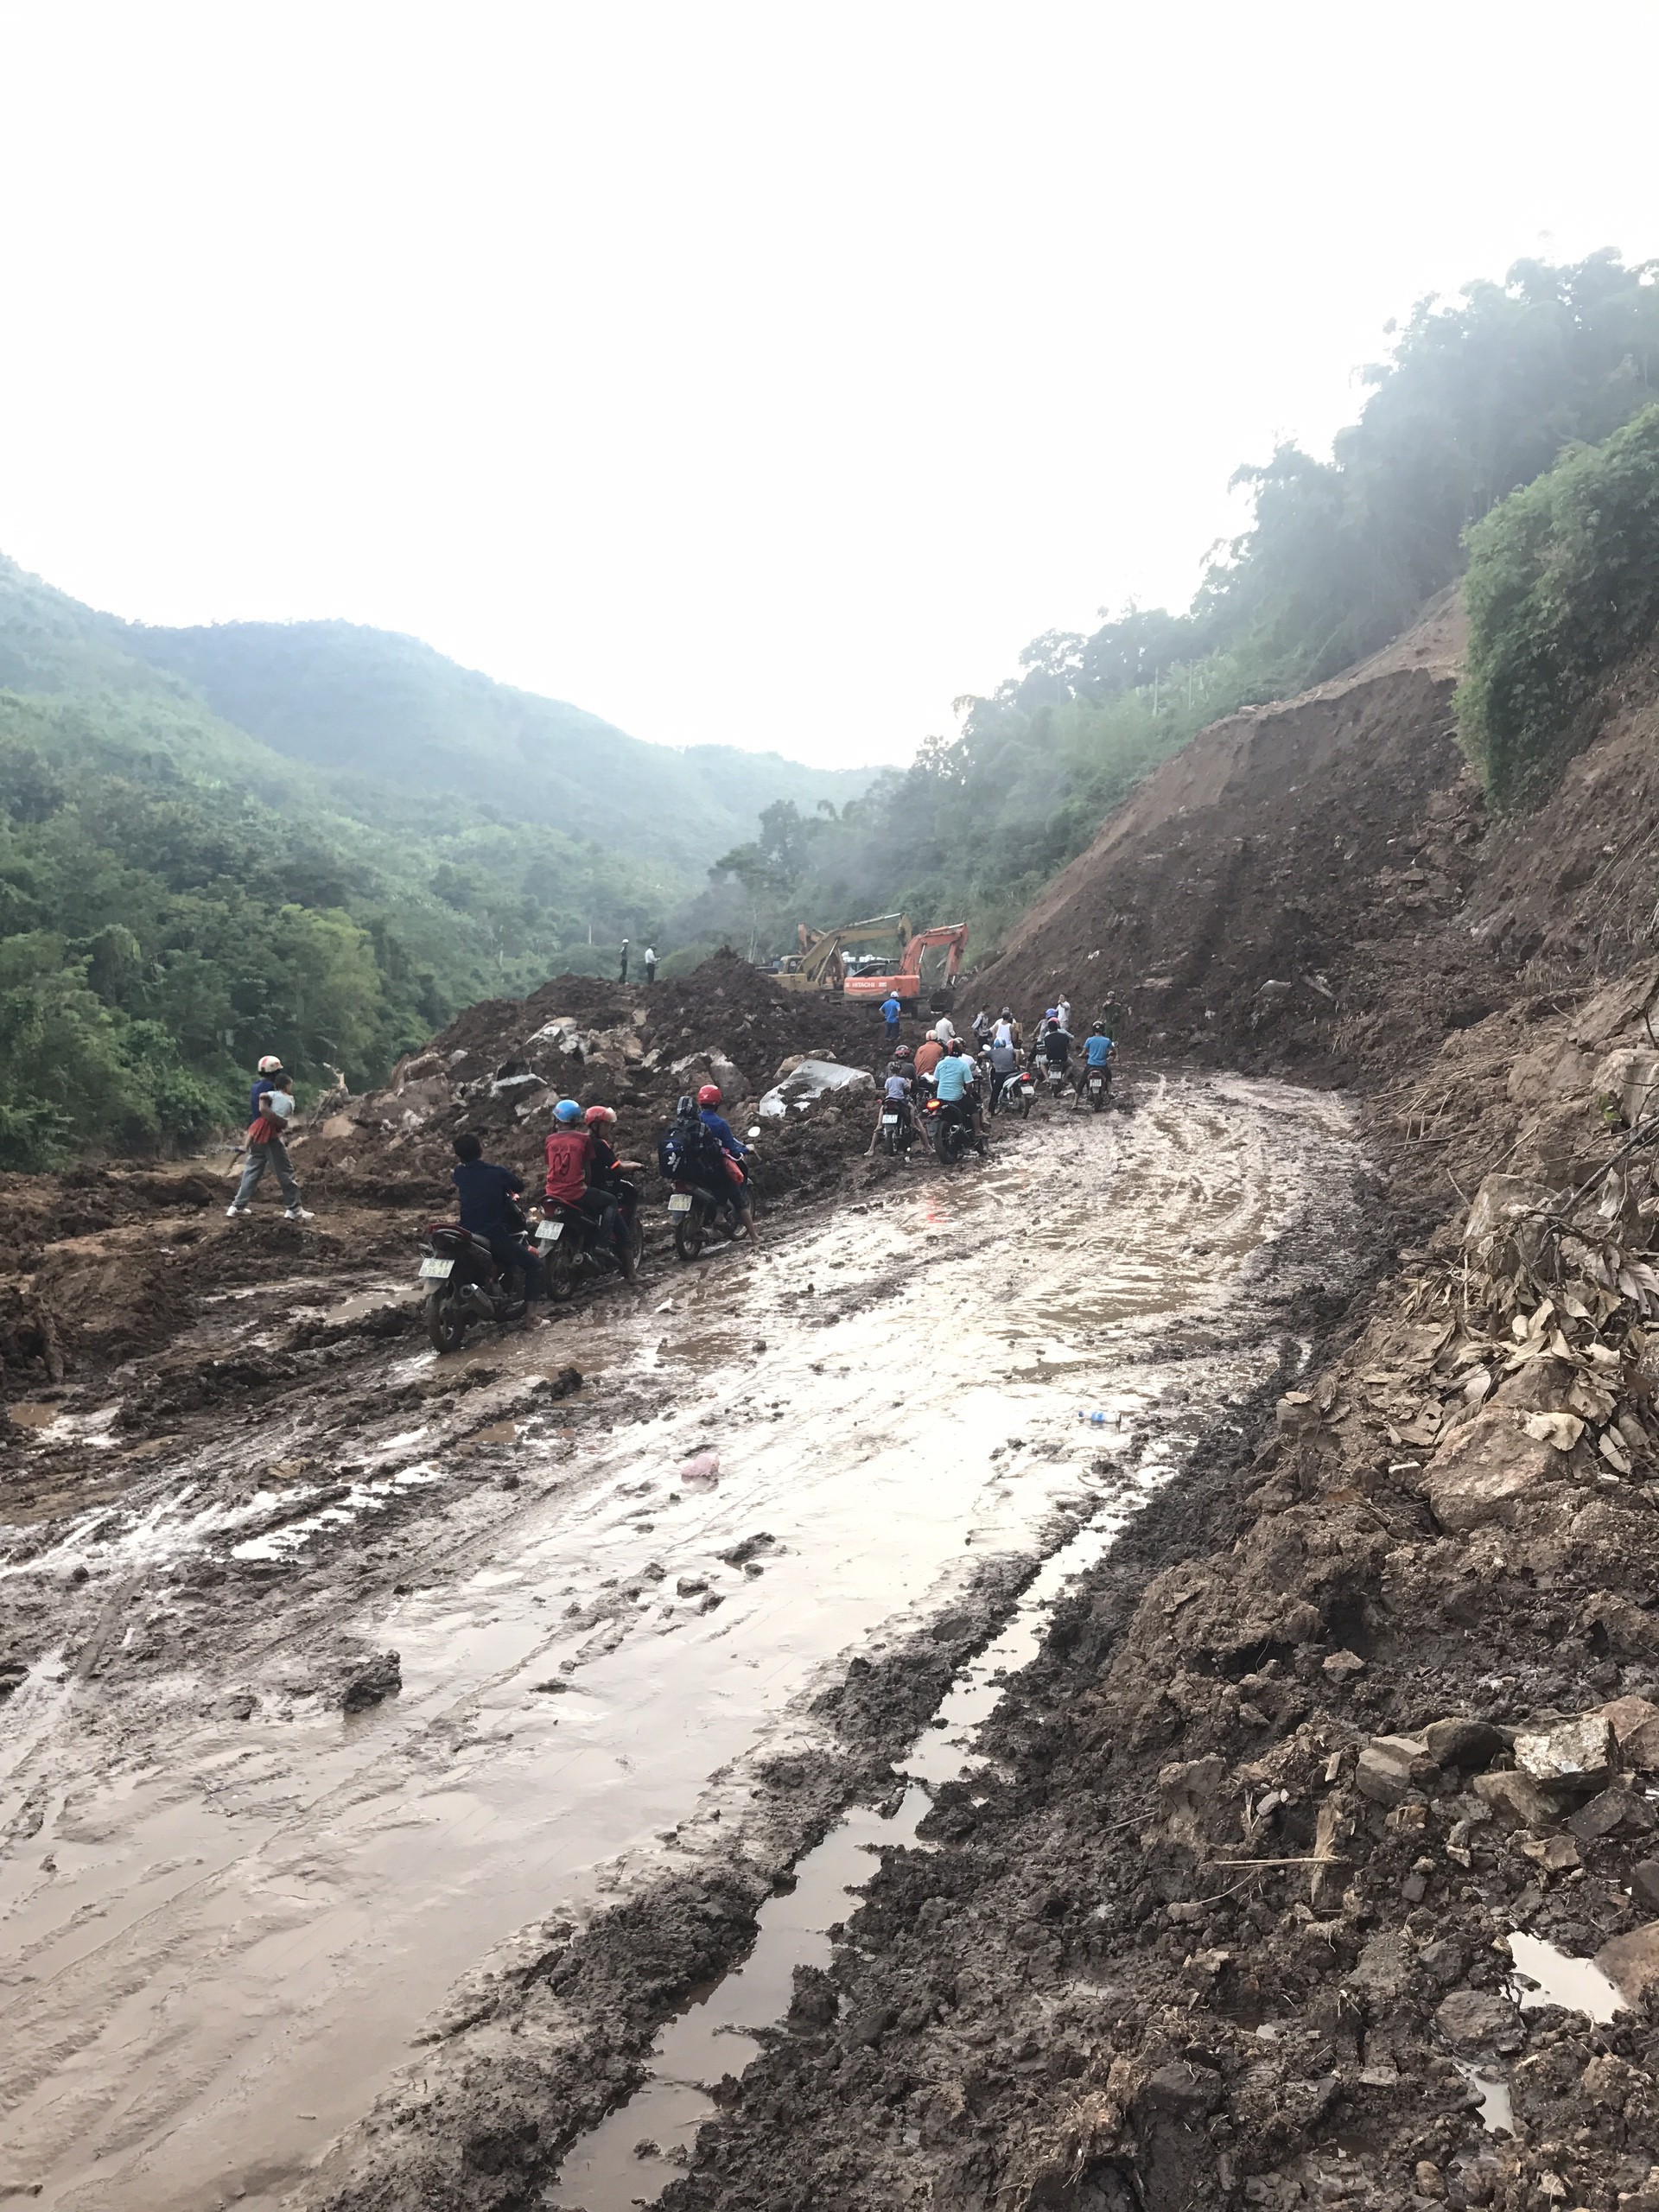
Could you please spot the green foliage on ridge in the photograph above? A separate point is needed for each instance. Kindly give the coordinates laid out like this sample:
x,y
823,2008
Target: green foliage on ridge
x,y
1480,394
1562,586
178,896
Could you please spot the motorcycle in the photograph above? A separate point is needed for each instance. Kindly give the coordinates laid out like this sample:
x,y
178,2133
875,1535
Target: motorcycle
x,y
1016,1094
897,1128
1097,1084
463,1283
699,1213
572,1250
1056,1076
950,1130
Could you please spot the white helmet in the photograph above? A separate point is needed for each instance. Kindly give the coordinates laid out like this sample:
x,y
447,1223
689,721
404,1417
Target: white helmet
x,y
271,1064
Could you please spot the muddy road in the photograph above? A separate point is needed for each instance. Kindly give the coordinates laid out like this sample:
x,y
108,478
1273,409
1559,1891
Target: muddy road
x,y
262,1879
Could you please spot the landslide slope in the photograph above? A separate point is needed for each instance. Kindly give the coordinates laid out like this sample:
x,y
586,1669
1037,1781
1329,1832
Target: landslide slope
x,y
1233,1916
1250,904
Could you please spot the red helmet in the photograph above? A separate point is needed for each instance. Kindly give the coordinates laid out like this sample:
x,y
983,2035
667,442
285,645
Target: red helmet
x,y
598,1114
709,1095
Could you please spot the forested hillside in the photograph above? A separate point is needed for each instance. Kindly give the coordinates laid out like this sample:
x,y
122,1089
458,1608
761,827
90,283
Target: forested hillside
x,y
388,709
179,893
1477,398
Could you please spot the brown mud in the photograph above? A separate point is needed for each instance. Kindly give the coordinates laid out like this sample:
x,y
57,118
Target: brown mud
x,y
424,1701
1315,1859
1306,1850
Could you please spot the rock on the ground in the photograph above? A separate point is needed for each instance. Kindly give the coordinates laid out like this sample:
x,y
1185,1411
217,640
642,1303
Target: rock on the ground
x,y
1483,1469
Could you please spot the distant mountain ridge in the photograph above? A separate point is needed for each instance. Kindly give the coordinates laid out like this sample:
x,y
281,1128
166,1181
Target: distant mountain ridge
x,y
306,838
372,704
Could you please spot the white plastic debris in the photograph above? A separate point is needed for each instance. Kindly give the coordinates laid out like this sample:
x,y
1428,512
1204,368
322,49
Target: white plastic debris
x,y
810,1082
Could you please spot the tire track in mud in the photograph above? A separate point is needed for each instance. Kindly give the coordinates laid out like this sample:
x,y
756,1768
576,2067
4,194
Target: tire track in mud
x,y
247,1914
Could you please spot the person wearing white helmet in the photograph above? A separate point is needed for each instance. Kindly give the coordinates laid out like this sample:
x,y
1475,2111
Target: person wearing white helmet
x,y
270,1105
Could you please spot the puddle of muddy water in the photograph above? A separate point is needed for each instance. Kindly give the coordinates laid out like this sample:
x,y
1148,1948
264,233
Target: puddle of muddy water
x,y
628,2159
28,1416
249,1918
1550,1977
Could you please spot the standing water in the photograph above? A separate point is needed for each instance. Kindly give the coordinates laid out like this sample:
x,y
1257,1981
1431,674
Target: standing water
x,y
223,1935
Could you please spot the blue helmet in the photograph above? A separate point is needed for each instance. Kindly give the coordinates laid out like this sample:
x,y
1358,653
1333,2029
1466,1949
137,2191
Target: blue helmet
x,y
567,1111
1053,1014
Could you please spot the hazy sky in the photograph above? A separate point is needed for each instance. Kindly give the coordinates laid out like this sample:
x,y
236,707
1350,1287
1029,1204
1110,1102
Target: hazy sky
x,y
768,372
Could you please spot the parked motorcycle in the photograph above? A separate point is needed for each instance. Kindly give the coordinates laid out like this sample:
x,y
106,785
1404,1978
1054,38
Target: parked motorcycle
x,y
463,1284
573,1250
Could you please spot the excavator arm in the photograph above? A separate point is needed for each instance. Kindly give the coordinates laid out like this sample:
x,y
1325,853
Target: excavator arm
x,y
818,966
907,983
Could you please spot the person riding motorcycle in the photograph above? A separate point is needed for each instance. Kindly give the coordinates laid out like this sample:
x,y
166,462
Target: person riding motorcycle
x,y
958,1078
1055,1042
571,1161
609,1172
488,1199
1097,1050
714,1121
897,1087
1004,1056
928,1056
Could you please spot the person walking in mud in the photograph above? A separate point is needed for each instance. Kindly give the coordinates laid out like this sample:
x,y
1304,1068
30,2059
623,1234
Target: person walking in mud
x,y
271,1100
623,977
892,1012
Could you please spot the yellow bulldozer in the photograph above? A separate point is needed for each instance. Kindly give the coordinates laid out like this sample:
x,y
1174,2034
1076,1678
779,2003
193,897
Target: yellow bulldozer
x,y
817,965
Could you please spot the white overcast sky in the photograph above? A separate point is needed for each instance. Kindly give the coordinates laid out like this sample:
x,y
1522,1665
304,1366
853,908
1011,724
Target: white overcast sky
x,y
764,373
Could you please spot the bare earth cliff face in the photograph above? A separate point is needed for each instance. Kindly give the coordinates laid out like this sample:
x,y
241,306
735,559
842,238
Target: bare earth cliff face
x,y
1254,1886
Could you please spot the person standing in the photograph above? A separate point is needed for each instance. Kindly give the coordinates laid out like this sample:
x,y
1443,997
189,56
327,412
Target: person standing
x,y
891,1008
623,977
651,964
271,1100
1062,1012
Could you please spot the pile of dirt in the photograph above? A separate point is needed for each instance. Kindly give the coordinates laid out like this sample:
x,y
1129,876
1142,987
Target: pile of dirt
x,y
1245,1907
501,1066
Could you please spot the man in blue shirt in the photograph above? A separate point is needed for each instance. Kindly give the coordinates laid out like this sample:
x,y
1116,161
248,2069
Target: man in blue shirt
x,y
1097,1049
716,1124
891,1008
955,1080
487,1209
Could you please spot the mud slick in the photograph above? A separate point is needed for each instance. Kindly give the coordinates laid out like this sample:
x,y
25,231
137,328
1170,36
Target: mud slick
x,y
1124,1677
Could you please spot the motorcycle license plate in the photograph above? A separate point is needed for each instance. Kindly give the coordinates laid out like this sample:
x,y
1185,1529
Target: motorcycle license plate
x,y
549,1232
1094,1082
436,1270
889,1120
680,1203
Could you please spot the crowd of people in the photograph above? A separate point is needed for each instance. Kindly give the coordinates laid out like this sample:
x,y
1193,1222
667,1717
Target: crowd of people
x,y
589,1187
970,1075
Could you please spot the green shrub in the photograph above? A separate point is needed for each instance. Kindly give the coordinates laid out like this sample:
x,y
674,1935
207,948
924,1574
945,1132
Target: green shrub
x,y
1562,586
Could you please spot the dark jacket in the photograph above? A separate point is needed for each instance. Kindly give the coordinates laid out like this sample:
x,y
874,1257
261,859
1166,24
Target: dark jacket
x,y
487,1197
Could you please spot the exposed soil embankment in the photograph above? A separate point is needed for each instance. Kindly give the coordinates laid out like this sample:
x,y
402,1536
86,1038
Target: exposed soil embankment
x,y
1265,1892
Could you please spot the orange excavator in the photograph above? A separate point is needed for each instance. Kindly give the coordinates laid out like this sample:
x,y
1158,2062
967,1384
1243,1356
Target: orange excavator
x,y
905,981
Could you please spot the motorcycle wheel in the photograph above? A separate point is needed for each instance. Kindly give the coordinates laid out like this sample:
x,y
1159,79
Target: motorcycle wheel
x,y
561,1281
687,1236
947,1142
445,1325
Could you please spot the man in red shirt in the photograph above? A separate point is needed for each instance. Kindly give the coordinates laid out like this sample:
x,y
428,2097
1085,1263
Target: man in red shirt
x,y
571,1159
